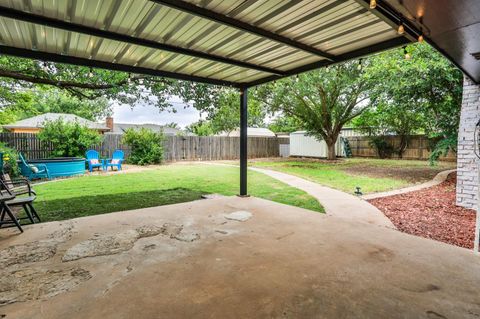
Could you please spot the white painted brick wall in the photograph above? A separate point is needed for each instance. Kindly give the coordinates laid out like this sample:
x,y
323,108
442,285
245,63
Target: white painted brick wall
x,y
466,160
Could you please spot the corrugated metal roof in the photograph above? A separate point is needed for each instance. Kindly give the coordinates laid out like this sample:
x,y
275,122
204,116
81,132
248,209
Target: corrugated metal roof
x,y
323,29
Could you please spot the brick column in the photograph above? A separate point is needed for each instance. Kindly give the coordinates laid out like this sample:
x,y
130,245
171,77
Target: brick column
x,y
467,176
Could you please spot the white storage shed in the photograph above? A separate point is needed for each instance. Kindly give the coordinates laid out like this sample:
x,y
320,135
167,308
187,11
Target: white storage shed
x,y
303,145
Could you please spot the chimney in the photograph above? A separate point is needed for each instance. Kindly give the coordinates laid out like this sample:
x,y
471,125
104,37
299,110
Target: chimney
x,y
109,123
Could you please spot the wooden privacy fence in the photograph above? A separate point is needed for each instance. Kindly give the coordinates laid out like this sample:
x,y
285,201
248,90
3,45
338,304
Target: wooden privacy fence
x,y
176,148
418,147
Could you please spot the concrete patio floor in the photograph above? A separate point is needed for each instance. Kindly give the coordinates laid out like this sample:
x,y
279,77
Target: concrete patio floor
x,y
194,260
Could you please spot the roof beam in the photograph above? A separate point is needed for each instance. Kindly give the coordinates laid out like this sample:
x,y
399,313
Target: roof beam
x,y
240,25
382,46
73,27
58,58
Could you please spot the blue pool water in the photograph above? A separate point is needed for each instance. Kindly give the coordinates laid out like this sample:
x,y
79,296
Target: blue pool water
x,y
62,166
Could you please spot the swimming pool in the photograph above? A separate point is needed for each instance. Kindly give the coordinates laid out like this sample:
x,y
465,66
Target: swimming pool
x,y
62,166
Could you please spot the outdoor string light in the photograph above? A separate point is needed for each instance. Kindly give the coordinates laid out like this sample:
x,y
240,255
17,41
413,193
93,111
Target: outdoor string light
x,y
401,27
407,55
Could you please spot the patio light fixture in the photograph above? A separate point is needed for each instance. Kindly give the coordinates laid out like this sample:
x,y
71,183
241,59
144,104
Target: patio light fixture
x,y
401,29
373,4
420,38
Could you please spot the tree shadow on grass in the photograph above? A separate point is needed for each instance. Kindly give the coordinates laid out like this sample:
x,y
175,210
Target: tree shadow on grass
x,y
61,209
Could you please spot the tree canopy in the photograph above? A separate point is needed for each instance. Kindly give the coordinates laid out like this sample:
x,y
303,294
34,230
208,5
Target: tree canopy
x,y
19,74
37,101
225,115
420,95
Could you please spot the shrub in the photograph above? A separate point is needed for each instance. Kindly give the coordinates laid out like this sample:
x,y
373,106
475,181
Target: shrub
x,y
146,146
440,147
381,145
68,139
10,158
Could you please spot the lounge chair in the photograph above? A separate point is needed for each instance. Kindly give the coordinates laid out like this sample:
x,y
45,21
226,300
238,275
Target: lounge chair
x,y
116,160
93,160
33,171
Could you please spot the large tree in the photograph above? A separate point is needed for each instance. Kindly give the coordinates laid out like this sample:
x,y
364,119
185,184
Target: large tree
x,y
323,100
421,94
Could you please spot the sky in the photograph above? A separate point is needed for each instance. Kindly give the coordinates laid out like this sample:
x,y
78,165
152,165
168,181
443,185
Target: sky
x,y
142,114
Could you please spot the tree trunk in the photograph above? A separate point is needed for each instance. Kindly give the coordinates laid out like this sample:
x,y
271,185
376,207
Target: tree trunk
x,y
331,151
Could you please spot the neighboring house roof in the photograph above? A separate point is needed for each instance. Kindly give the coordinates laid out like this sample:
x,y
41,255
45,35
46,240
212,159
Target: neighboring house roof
x,y
120,128
39,120
251,132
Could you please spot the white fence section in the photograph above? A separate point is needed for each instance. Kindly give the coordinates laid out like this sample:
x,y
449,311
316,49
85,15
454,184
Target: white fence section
x,y
284,150
303,145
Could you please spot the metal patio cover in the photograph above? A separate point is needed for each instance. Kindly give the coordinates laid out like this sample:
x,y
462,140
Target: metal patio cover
x,y
231,42
226,42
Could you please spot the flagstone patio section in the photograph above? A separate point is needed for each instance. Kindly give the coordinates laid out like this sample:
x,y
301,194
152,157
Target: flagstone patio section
x,y
193,260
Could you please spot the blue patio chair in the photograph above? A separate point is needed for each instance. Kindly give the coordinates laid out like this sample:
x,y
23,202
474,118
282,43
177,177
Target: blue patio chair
x,y
93,160
33,171
116,160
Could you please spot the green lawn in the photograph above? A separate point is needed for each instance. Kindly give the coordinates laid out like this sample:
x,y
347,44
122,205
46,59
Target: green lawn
x,y
92,195
372,175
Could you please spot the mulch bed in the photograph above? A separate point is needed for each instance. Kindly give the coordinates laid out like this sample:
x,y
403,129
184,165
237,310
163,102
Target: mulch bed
x,y
431,213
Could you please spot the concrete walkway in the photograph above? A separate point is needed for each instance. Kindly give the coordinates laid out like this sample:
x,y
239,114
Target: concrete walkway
x,y
438,179
335,202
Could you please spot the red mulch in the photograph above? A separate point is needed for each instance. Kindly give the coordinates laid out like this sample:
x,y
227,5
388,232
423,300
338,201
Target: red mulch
x,y
431,213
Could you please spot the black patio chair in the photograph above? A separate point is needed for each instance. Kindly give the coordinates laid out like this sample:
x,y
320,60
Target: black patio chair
x,y
18,186
5,196
24,196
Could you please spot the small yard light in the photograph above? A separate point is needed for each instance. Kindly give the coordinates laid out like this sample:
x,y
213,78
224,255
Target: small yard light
x,y
401,29
420,38
358,191
359,66
90,74
373,4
